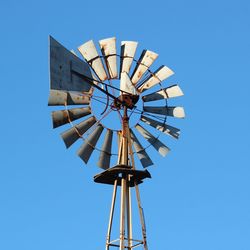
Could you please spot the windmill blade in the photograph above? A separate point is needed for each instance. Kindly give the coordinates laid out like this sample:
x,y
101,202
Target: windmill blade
x,y
88,146
128,49
73,134
119,140
73,52
62,98
62,64
177,112
158,76
89,52
156,143
167,129
104,159
140,151
146,59
108,48
169,92
126,84
62,117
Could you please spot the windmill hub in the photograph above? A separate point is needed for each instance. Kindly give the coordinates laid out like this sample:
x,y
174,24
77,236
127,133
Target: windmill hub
x,y
127,100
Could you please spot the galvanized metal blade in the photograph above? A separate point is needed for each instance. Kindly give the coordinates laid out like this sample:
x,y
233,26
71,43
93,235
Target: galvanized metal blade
x,y
73,134
108,48
169,92
140,151
61,98
128,49
155,142
62,117
88,146
177,112
62,64
73,52
158,76
126,84
145,61
89,52
167,129
104,159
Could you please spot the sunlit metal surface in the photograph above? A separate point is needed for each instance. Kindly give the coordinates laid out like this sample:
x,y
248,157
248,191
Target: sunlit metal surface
x,y
145,61
128,49
169,92
108,48
89,52
126,84
158,76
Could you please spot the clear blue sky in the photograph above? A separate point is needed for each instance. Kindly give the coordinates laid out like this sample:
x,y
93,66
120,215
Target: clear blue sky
x,y
199,196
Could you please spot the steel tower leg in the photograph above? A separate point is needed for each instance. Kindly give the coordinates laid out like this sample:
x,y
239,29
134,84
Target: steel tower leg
x,y
111,215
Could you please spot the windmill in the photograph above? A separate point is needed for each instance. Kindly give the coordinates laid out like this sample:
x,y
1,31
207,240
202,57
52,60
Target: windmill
x,y
84,84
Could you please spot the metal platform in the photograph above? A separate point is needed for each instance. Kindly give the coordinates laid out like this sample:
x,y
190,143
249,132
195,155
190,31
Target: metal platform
x,y
116,173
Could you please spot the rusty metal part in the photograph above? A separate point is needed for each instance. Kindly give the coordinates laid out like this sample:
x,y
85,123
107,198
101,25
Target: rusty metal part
x,y
108,48
128,49
62,117
73,134
166,93
62,98
89,52
158,76
145,61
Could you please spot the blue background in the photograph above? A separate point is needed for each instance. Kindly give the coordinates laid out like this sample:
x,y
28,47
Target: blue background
x,y
198,197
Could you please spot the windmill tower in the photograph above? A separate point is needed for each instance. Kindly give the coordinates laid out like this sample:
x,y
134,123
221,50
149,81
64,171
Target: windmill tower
x,y
74,82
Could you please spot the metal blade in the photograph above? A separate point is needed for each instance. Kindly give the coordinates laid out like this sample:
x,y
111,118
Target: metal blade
x,y
169,130
61,98
74,133
89,52
169,92
177,112
146,59
73,52
108,48
62,117
140,151
88,146
104,159
62,62
128,49
126,84
119,140
156,143
158,76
